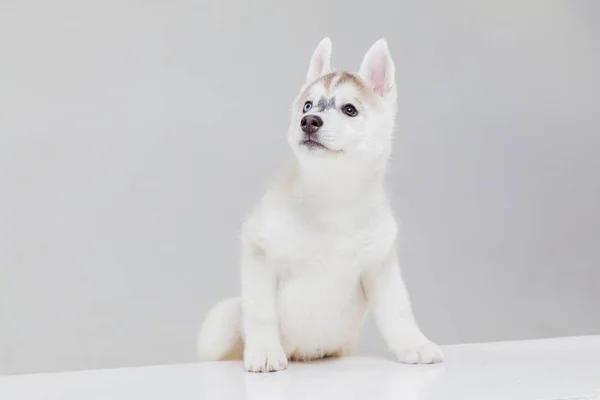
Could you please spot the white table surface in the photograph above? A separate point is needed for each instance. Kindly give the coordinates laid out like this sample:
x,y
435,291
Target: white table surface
x,y
564,368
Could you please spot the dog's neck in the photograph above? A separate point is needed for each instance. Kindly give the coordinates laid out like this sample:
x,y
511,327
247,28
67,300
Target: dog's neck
x,y
335,184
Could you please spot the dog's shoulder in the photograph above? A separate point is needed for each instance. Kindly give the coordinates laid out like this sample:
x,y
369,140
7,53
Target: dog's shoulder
x,y
284,230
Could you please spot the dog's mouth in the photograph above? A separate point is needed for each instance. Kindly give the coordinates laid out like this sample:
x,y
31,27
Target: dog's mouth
x,y
313,144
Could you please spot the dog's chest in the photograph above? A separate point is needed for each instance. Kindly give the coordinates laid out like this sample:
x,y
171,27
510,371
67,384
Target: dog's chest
x,y
294,241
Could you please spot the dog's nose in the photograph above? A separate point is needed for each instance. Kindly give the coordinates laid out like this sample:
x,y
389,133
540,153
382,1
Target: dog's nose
x,y
311,123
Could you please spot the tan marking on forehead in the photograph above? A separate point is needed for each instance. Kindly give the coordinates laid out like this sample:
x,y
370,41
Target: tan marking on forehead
x,y
366,94
335,79
325,80
347,77
328,79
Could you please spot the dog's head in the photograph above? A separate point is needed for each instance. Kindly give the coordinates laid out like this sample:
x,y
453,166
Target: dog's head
x,y
342,115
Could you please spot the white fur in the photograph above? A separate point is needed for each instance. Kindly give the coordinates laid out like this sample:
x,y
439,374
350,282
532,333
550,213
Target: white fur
x,y
320,62
378,69
319,249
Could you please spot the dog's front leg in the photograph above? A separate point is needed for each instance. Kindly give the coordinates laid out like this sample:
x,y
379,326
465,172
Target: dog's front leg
x,y
391,307
262,348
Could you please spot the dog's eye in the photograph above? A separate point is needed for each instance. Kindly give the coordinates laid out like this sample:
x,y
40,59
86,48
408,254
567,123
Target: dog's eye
x,y
350,110
307,106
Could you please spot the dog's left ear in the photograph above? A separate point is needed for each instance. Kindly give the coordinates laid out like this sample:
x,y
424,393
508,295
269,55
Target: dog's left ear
x,y
378,70
320,63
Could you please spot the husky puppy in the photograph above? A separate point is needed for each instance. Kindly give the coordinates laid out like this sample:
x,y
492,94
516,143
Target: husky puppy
x,y
318,250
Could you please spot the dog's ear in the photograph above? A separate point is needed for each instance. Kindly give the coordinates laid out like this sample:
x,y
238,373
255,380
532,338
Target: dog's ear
x,y
378,70
320,62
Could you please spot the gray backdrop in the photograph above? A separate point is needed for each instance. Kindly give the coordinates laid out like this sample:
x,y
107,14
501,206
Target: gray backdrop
x,y
130,151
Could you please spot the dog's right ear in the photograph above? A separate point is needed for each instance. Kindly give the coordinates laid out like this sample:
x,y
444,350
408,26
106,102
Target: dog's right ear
x,y
378,70
320,63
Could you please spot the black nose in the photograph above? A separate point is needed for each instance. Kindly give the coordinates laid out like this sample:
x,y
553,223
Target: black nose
x,y
311,123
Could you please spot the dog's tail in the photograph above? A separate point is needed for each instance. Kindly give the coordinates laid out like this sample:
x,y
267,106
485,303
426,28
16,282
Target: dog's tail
x,y
220,336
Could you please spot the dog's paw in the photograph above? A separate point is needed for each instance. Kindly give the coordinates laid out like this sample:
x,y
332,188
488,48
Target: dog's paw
x,y
265,358
422,353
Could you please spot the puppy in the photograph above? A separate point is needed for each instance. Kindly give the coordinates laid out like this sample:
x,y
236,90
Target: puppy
x,y
319,249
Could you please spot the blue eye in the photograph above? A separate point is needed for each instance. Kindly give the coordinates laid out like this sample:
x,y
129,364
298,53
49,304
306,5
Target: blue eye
x,y
307,106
